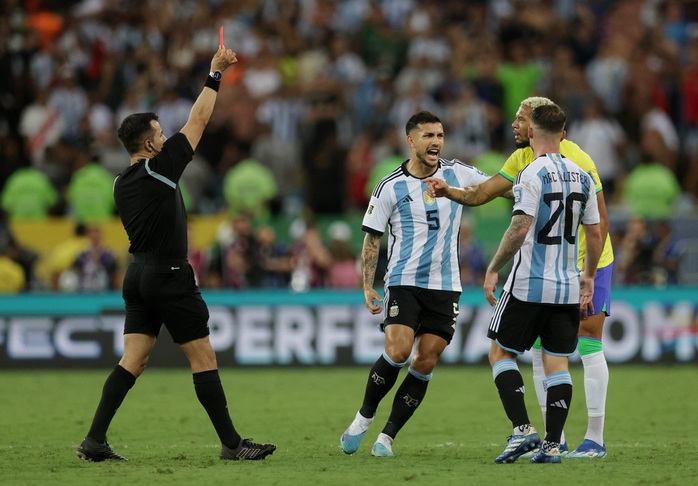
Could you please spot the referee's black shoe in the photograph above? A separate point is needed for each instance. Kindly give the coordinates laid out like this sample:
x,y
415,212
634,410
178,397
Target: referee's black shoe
x,y
91,450
248,450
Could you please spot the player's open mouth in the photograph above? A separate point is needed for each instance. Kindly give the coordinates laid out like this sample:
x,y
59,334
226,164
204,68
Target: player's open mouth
x,y
433,152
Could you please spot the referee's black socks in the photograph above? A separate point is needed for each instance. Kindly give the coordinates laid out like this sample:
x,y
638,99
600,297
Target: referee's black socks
x,y
210,393
117,385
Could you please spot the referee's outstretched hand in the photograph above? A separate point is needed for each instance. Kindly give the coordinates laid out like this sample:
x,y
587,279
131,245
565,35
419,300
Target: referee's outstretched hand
x,y
223,59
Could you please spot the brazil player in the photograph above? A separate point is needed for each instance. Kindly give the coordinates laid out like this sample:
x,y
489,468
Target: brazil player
x,y
544,294
591,328
422,281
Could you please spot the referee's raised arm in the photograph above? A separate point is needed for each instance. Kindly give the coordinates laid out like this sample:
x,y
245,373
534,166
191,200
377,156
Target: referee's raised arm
x,y
203,106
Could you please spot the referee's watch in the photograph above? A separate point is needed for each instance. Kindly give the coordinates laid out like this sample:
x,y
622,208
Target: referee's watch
x,y
216,75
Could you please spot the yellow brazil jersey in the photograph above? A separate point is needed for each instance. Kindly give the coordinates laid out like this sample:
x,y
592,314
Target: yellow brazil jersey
x,y
524,156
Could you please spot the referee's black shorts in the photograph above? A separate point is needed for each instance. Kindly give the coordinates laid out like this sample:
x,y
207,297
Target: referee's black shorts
x,y
159,290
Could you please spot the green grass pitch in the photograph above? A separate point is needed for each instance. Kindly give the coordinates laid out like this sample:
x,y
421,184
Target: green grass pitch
x,y
651,430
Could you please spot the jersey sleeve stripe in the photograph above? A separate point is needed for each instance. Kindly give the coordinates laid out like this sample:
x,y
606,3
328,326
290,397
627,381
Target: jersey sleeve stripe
x,y
379,187
157,176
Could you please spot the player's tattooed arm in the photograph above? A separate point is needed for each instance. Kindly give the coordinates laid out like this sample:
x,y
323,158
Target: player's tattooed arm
x,y
369,263
511,241
369,258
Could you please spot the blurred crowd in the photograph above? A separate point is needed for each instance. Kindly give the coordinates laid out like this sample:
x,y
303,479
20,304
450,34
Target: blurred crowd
x,y
314,112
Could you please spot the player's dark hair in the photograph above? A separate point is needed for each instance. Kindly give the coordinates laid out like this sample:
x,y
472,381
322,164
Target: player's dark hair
x,y
549,118
419,118
135,129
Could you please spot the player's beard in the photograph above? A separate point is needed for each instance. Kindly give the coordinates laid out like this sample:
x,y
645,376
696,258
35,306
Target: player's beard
x,y
423,159
523,144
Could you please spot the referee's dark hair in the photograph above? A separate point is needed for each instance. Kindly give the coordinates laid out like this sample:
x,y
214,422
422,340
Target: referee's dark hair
x,y
419,118
135,129
549,118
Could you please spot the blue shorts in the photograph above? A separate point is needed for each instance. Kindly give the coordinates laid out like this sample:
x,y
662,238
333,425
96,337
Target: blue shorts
x,y
602,290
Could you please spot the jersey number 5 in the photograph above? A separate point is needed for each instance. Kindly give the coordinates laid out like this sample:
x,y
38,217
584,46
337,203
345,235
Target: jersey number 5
x,y
555,201
433,219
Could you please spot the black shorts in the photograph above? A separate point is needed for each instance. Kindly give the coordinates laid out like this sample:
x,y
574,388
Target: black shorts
x,y
163,291
426,311
516,325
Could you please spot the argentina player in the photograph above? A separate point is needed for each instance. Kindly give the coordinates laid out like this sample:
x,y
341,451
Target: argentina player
x,y
422,281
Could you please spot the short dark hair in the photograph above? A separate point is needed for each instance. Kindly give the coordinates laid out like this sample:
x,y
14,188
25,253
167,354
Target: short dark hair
x,y
135,129
549,118
419,118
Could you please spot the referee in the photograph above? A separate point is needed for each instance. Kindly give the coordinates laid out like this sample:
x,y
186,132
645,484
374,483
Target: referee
x,y
159,285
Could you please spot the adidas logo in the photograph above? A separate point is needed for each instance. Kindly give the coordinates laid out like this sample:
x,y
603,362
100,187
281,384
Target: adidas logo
x,y
521,389
559,404
407,199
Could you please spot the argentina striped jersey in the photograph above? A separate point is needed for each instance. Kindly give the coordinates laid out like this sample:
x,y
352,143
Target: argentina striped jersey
x,y
559,195
423,231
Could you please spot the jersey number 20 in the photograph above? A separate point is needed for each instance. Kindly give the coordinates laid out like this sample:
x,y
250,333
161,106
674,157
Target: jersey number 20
x,y
560,206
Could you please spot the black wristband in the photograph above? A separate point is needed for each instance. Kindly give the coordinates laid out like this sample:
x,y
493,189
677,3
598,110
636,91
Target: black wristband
x,y
212,83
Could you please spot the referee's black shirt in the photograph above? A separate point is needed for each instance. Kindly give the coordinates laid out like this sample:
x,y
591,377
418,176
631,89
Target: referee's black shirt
x,y
150,203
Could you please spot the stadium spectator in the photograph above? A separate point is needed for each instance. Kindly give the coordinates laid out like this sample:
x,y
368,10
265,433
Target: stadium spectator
x,y
41,126
232,254
635,253
608,71
278,144
276,264
344,271
28,195
25,257
653,177
666,256
310,257
63,255
70,100
605,141
471,120
96,268
90,198
11,158
361,158
249,187
472,256
324,162
518,75
12,276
